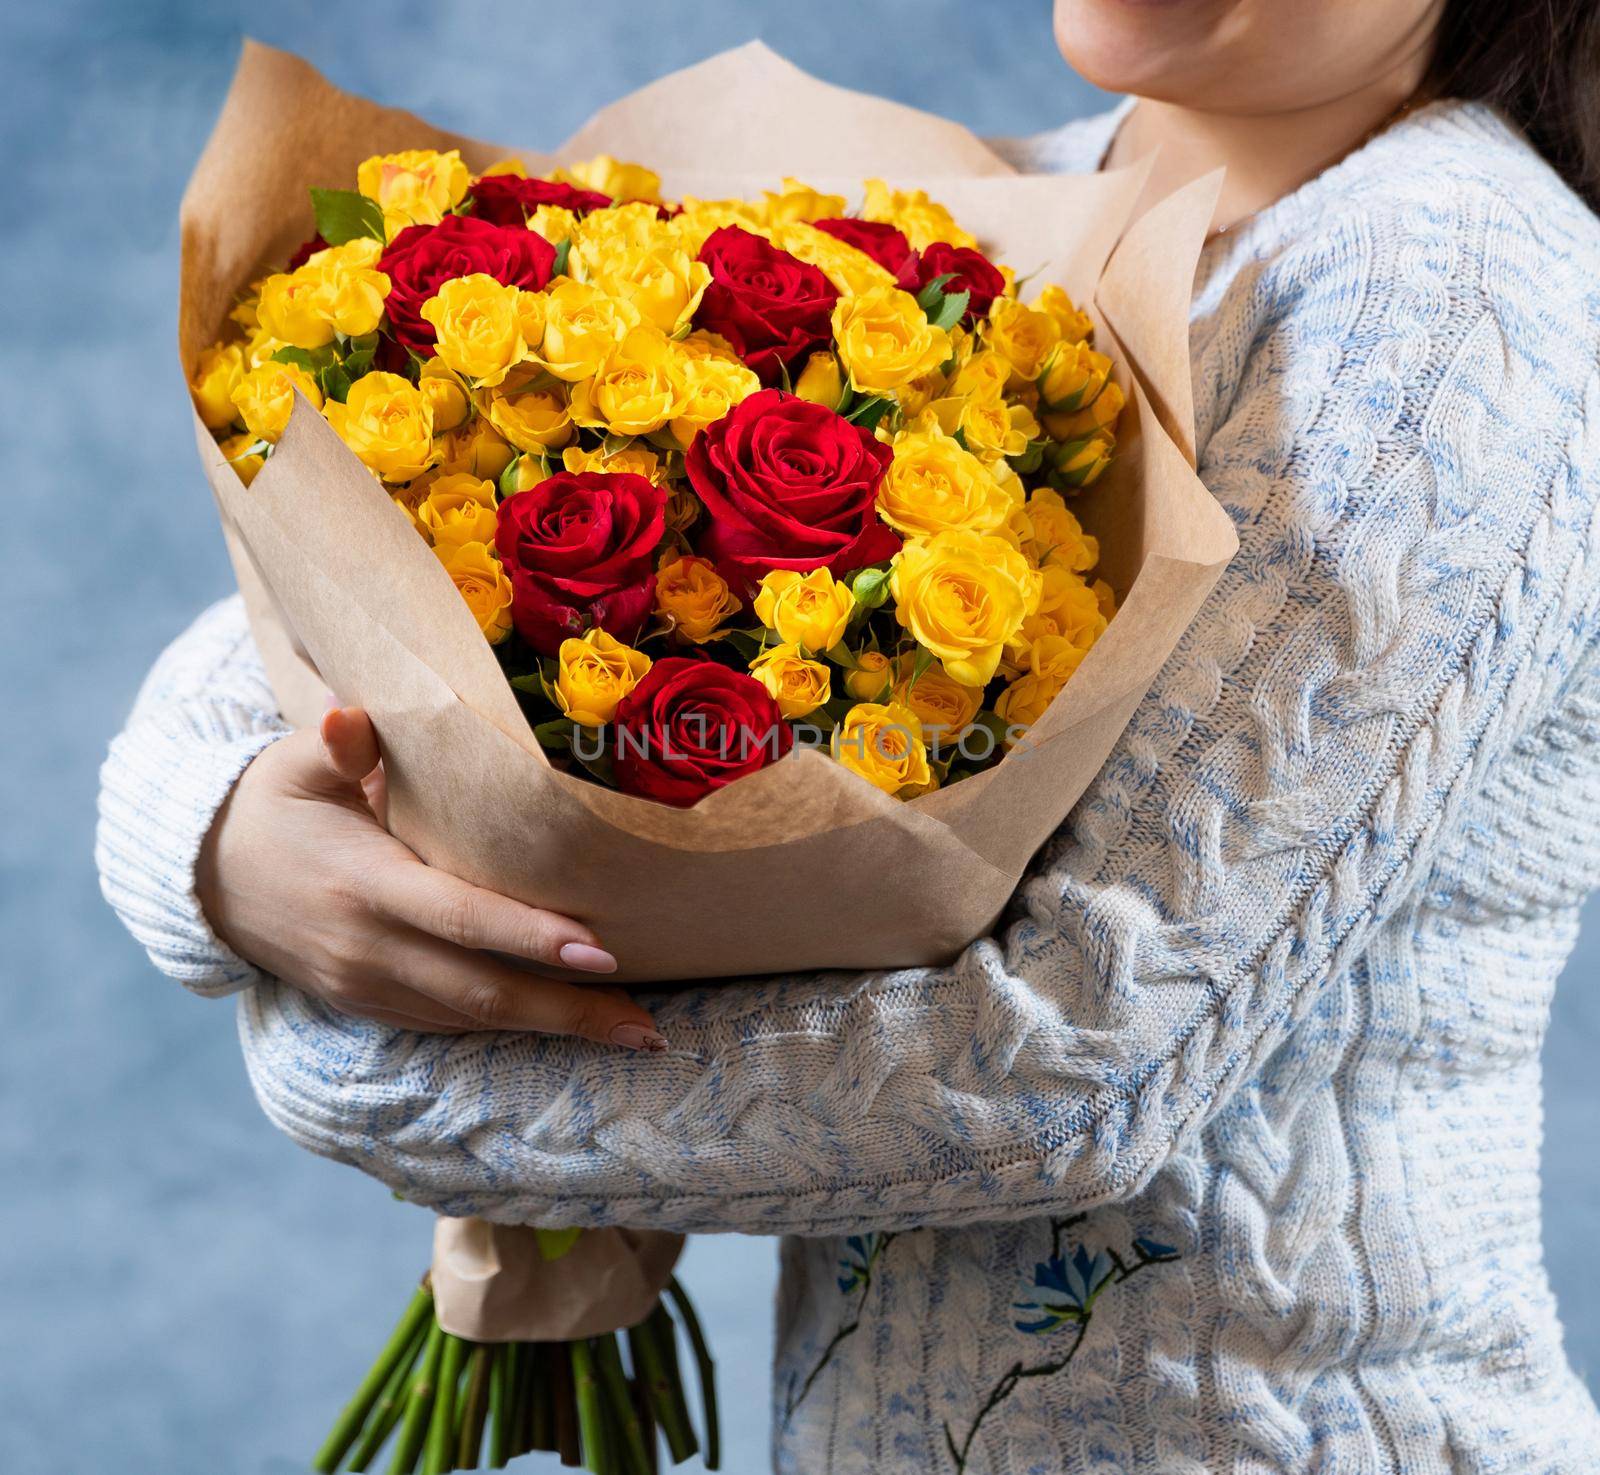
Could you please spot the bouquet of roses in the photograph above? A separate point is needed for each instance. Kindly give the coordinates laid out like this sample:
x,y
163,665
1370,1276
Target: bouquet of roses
x,y
714,477
687,536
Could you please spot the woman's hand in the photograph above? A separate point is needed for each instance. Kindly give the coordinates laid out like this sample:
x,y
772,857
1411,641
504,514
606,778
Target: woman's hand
x,y
298,875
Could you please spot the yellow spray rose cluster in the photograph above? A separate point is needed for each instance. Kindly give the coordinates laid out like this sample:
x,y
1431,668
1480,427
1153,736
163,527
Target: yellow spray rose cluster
x,y
825,445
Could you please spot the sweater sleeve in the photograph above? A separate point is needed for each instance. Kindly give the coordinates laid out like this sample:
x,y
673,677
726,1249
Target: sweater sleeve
x,y
203,713
1410,456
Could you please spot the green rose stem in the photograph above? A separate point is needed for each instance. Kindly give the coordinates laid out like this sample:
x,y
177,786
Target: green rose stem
x,y
541,1406
419,1401
390,1405
707,1369
502,1379
647,1422
564,1403
349,1423
475,1407
440,1445
591,1410
663,1392
624,1419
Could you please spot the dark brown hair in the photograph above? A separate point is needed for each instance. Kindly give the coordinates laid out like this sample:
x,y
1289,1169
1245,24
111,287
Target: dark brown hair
x,y
1539,62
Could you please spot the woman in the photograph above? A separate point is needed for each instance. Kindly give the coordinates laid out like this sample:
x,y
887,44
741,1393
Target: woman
x,y
1223,1153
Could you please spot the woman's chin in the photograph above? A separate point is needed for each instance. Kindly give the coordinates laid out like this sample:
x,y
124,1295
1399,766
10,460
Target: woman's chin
x,y
1150,47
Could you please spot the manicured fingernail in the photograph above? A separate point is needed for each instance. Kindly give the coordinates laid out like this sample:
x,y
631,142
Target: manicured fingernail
x,y
590,959
637,1037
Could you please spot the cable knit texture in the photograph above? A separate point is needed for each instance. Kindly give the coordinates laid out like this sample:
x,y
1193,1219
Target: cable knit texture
x,y
1222,1154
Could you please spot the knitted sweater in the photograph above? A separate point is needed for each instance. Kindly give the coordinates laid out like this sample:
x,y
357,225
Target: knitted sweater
x,y
1222,1153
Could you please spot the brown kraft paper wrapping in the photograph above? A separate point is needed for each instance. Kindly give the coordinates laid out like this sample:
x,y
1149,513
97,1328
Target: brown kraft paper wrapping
x,y
342,595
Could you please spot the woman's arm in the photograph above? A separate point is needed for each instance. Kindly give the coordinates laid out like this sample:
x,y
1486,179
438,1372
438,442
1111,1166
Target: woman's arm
x,y
1408,462
203,714
218,823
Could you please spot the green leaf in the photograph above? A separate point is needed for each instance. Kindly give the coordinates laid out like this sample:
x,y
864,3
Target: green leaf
x,y
533,682
920,665
554,1243
869,412
953,309
600,765
931,298
346,215
870,588
841,655
334,383
1028,462
563,250
301,358
555,734
749,644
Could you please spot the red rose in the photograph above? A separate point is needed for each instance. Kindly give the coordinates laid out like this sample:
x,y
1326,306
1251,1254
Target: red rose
x,y
882,242
423,257
691,726
788,484
971,271
580,551
769,305
507,200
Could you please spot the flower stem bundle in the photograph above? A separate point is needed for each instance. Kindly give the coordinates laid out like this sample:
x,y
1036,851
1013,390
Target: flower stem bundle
x,y
606,1404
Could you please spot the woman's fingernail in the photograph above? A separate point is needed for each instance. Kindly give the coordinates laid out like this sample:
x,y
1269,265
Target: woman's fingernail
x,y
637,1037
590,959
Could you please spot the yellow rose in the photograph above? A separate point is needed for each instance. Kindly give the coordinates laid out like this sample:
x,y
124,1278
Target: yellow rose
x,y
483,326
1079,463
513,167
388,423
976,405
482,582
693,598
555,223
265,396
798,685
1097,418
352,288
683,508
882,743
821,381
1106,597
637,390
1024,702
799,202
805,609
847,267
582,328
525,472
664,285
236,451
963,595
1073,606
533,419
712,386
594,674
638,459
455,507
921,220
414,187
622,181
446,395
1053,535
885,339
943,705
1073,325
291,309
1023,337
216,376
1073,376
869,679
475,447
602,236
933,484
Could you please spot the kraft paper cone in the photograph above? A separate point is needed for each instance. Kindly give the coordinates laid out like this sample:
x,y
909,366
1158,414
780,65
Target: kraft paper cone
x,y
491,1284
802,865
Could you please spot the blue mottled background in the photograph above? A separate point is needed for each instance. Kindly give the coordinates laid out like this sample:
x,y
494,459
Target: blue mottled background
x,y
181,1291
